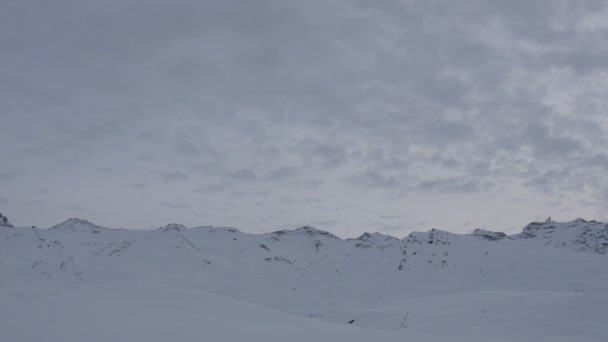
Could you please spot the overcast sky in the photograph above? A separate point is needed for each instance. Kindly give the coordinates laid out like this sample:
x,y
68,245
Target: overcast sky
x,y
350,116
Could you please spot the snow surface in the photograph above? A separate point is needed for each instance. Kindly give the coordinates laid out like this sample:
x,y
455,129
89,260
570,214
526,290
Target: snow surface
x,y
80,282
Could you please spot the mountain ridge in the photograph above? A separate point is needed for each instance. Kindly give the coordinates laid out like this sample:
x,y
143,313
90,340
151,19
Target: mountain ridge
x,y
532,230
578,234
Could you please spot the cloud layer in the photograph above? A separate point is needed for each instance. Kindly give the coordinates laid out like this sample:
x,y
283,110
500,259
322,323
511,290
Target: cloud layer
x,y
349,115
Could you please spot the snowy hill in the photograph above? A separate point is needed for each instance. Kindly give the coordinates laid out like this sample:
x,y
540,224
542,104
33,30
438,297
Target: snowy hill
x,y
482,286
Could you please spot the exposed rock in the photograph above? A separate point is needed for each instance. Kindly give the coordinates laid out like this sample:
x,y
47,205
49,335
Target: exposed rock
x,y
432,237
173,227
4,222
306,231
279,259
488,235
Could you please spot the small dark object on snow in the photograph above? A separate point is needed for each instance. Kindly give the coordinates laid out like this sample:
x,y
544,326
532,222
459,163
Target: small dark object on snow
x,y
351,321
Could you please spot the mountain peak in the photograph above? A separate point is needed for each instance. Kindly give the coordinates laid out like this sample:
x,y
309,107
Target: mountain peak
x,y
78,225
4,222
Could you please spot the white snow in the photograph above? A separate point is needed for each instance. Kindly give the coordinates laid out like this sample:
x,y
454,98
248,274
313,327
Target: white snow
x,y
80,282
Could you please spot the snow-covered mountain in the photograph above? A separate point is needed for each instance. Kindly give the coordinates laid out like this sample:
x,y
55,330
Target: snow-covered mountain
x,y
549,281
578,235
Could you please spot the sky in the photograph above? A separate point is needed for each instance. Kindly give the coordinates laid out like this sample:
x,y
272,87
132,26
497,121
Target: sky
x,y
349,116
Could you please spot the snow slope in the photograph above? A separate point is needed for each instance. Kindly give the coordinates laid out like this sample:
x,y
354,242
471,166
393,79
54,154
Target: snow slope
x,y
142,312
484,286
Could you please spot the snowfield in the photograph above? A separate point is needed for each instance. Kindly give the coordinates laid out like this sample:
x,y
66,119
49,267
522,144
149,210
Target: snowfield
x,y
80,282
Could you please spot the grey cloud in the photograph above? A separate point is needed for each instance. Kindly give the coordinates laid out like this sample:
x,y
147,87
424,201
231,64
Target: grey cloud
x,y
204,167
418,99
452,185
375,180
254,131
546,143
153,135
550,180
309,183
246,175
290,200
379,158
75,208
321,153
213,188
237,194
140,185
391,229
449,131
286,200
392,216
598,160
186,149
174,205
263,193
447,162
106,170
282,172
323,223
174,176
6,176
148,157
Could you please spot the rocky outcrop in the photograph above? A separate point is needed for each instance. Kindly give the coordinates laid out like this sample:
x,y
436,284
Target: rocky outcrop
x,y
488,235
306,231
4,222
